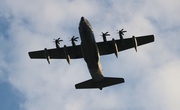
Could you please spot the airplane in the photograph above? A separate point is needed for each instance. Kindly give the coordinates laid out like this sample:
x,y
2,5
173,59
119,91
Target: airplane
x,y
91,51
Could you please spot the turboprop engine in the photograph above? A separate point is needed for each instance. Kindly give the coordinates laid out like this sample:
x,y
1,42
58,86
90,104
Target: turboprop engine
x,y
73,40
104,35
121,33
57,42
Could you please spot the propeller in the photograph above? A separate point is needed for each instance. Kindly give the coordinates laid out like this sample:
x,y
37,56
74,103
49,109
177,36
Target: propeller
x,y
57,42
73,40
104,35
121,32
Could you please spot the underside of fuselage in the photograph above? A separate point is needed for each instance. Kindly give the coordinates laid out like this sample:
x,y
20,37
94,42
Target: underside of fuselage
x,y
90,50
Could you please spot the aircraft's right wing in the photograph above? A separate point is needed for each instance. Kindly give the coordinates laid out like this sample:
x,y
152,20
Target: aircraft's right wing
x,y
108,46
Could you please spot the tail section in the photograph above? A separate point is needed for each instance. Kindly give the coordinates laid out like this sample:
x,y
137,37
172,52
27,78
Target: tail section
x,y
107,81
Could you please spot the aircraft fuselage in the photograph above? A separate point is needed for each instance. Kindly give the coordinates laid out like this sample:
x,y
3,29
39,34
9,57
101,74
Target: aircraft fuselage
x,y
90,50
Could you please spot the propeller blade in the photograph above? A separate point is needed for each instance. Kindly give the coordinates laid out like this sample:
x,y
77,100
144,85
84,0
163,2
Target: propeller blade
x,y
73,40
58,40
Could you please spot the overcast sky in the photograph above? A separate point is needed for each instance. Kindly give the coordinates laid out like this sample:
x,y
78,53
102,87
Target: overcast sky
x,y
152,75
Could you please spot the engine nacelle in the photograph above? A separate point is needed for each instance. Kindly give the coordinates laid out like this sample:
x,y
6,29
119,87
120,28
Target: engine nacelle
x,y
66,54
135,42
121,33
115,47
122,40
46,54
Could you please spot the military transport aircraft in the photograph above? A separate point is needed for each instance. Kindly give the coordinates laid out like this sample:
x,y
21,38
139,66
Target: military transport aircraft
x,y
91,51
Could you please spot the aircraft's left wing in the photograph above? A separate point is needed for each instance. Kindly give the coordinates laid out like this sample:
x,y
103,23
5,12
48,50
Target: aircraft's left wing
x,y
61,53
108,47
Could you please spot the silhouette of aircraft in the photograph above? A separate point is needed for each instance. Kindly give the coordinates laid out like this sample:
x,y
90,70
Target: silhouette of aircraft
x,y
91,51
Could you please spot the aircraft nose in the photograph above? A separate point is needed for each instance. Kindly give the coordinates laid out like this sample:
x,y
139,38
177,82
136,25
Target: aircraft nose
x,y
82,19
84,22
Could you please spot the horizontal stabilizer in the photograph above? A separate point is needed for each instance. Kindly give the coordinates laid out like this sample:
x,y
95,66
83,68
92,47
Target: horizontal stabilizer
x,y
107,81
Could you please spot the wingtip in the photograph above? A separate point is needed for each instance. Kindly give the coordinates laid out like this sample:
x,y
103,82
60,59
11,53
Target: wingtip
x,y
153,38
29,54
